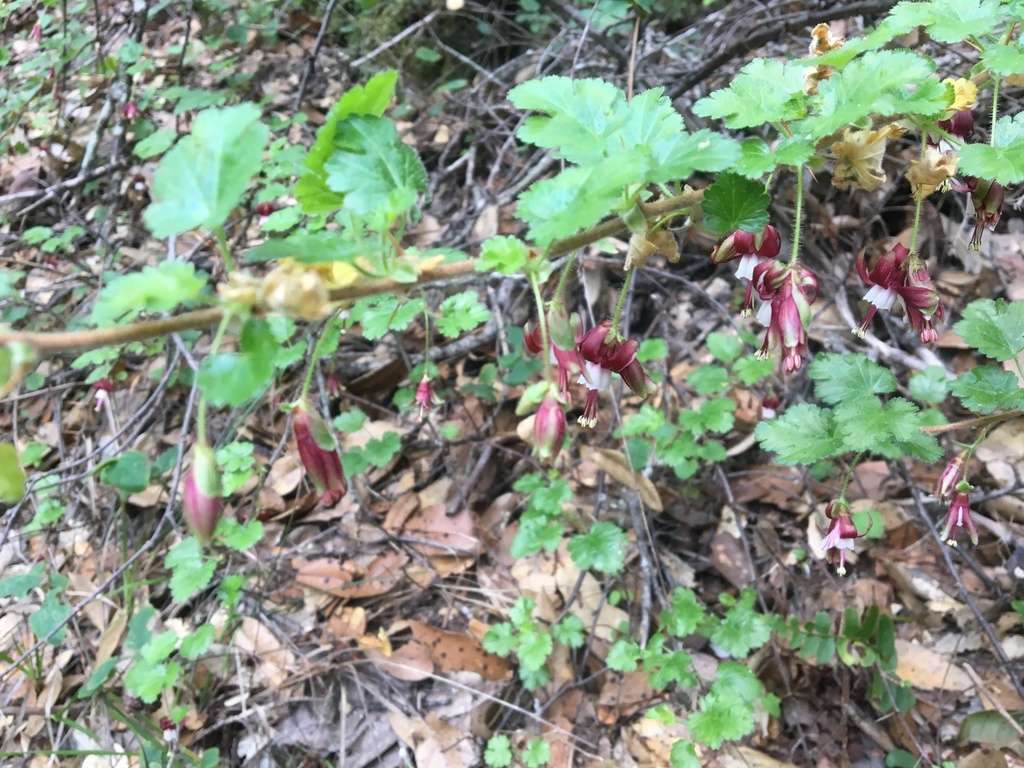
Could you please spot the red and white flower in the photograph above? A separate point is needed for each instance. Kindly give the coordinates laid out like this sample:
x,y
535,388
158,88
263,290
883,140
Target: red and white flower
x,y
901,276
787,293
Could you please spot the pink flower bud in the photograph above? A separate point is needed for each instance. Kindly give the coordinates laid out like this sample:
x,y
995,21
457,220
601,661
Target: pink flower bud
x,y
201,503
131,111
319,455
951,476
37,33
841,534
549,428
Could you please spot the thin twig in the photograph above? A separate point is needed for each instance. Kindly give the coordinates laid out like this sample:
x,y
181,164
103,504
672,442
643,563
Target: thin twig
x,y
311,61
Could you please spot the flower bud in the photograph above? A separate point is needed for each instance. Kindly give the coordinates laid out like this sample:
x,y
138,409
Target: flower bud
x,y
202,502
425,398
549,428
951,475
319,455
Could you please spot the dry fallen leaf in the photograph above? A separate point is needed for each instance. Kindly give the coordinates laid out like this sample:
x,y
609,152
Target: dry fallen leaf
x,y
454,652
616,466
929,670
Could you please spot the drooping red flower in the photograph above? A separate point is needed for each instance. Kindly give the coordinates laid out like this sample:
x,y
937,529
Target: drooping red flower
x,y
201,502
960,125
103,389
131,110
426,398
987,199
751,250
567,360
787,293
900,275
841,534
958,517
319,454
605,353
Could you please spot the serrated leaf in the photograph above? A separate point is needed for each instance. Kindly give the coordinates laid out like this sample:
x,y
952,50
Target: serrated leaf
x,y
757,158
196,644
845,378
603,548
507,255
190,571
1003,161
678,157
723,347
623,656
312,248
929,385
379,452
237,536
764,91
570,631
949,22
499,751
683,755
987,388
802,435
684,613
883,83
734,202
378,174
232,378
534,648
148,681
153,289
868,425
708,380
384,313
994,328
580,115
574,199
721,718
155,144
500,639
205,175
743,629
1002,59
460,313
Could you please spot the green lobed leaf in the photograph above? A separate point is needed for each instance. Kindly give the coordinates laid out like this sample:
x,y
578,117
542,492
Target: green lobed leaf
x,y
1003,59
708,380
750,370
313,248
1004,161
882,83
190,571
684,755
98,677
570,631
129,473
138,630
535,646
50,615
724,347
868,425
378,174
574,199
380,451
623,656
721,717
311,191
507,255
994,328
384,313
499,751
155,144
949,22
147,680
460,313
734,202
802,435
500,639
846,378
757,158
764,91
153,289
930,385
988,388
739,681
237,536
743,629
21,584
603,548
196,644
205,175
232,378
537,753
684,613
159,647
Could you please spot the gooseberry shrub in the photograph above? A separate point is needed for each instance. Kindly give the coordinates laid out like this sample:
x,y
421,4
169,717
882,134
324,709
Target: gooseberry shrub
x,y
335,264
